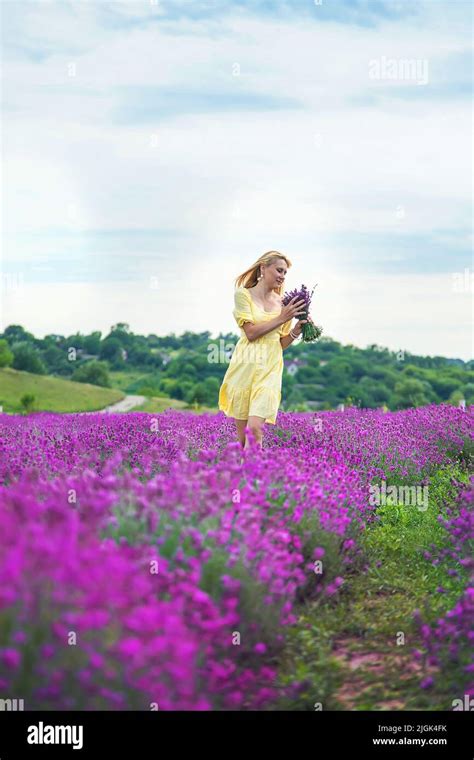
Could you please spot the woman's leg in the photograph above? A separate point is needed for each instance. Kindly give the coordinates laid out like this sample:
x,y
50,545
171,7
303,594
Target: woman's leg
x,y
256,426
241,425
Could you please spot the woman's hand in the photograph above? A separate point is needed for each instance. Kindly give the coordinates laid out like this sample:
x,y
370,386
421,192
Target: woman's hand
x,y
292,309
298,328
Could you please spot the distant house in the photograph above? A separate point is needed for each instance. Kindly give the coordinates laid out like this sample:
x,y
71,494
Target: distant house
x,y
322,363
292,368
293,365
165,358
83,355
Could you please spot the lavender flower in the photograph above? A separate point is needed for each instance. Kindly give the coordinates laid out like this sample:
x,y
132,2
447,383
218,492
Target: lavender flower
x,y
310,331
110,528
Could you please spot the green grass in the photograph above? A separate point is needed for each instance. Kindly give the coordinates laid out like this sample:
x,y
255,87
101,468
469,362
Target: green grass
x,y
157,404
53,394
128,380
133,381
354,651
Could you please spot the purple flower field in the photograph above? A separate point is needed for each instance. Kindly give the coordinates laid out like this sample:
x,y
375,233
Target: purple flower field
x,y
451,639
146,562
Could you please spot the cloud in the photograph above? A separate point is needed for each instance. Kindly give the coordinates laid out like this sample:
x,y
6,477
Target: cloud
x,y
357,12
151,104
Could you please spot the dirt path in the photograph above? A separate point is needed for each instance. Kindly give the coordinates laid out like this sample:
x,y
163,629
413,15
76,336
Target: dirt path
x,y
125,405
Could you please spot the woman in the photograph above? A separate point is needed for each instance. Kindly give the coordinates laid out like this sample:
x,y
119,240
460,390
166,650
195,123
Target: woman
x,y
251,388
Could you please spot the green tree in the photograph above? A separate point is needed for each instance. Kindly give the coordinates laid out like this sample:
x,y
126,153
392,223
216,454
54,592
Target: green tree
x,y
27,401
468,391
205,392
196,394
295,398
456,396
27,359
444,385
17,334
75,341
92,343
410,393
6,356
93,372
212,386
121,327
121,333
111,350
56,361
138,356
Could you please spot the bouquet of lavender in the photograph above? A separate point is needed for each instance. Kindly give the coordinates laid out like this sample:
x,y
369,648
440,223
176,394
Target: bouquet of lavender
x,y
310,332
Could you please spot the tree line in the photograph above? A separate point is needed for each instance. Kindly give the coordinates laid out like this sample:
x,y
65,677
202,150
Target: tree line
x,y
316,376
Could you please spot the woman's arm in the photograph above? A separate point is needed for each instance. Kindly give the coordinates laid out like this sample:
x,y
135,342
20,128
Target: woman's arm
x,y
254,331
286,340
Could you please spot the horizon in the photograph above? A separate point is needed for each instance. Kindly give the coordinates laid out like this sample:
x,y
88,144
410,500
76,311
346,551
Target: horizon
x,y
104,333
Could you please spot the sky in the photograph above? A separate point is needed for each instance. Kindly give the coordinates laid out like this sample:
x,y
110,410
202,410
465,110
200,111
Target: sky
x,y
154,149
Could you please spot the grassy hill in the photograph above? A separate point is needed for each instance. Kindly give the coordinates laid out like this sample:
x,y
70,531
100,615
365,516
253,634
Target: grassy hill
x,y
158,404
52,393
129,380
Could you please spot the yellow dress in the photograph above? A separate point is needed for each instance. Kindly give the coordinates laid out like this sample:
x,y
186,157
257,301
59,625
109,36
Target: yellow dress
x,y
252,382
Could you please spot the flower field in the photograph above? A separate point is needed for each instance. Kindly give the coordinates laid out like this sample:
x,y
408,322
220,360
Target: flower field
x,y
146,562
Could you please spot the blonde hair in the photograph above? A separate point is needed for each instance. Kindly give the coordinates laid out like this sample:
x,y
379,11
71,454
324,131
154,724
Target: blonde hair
x,y
249,278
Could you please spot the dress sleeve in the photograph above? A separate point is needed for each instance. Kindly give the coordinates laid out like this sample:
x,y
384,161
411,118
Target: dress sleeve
x,y
242,311
285,328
